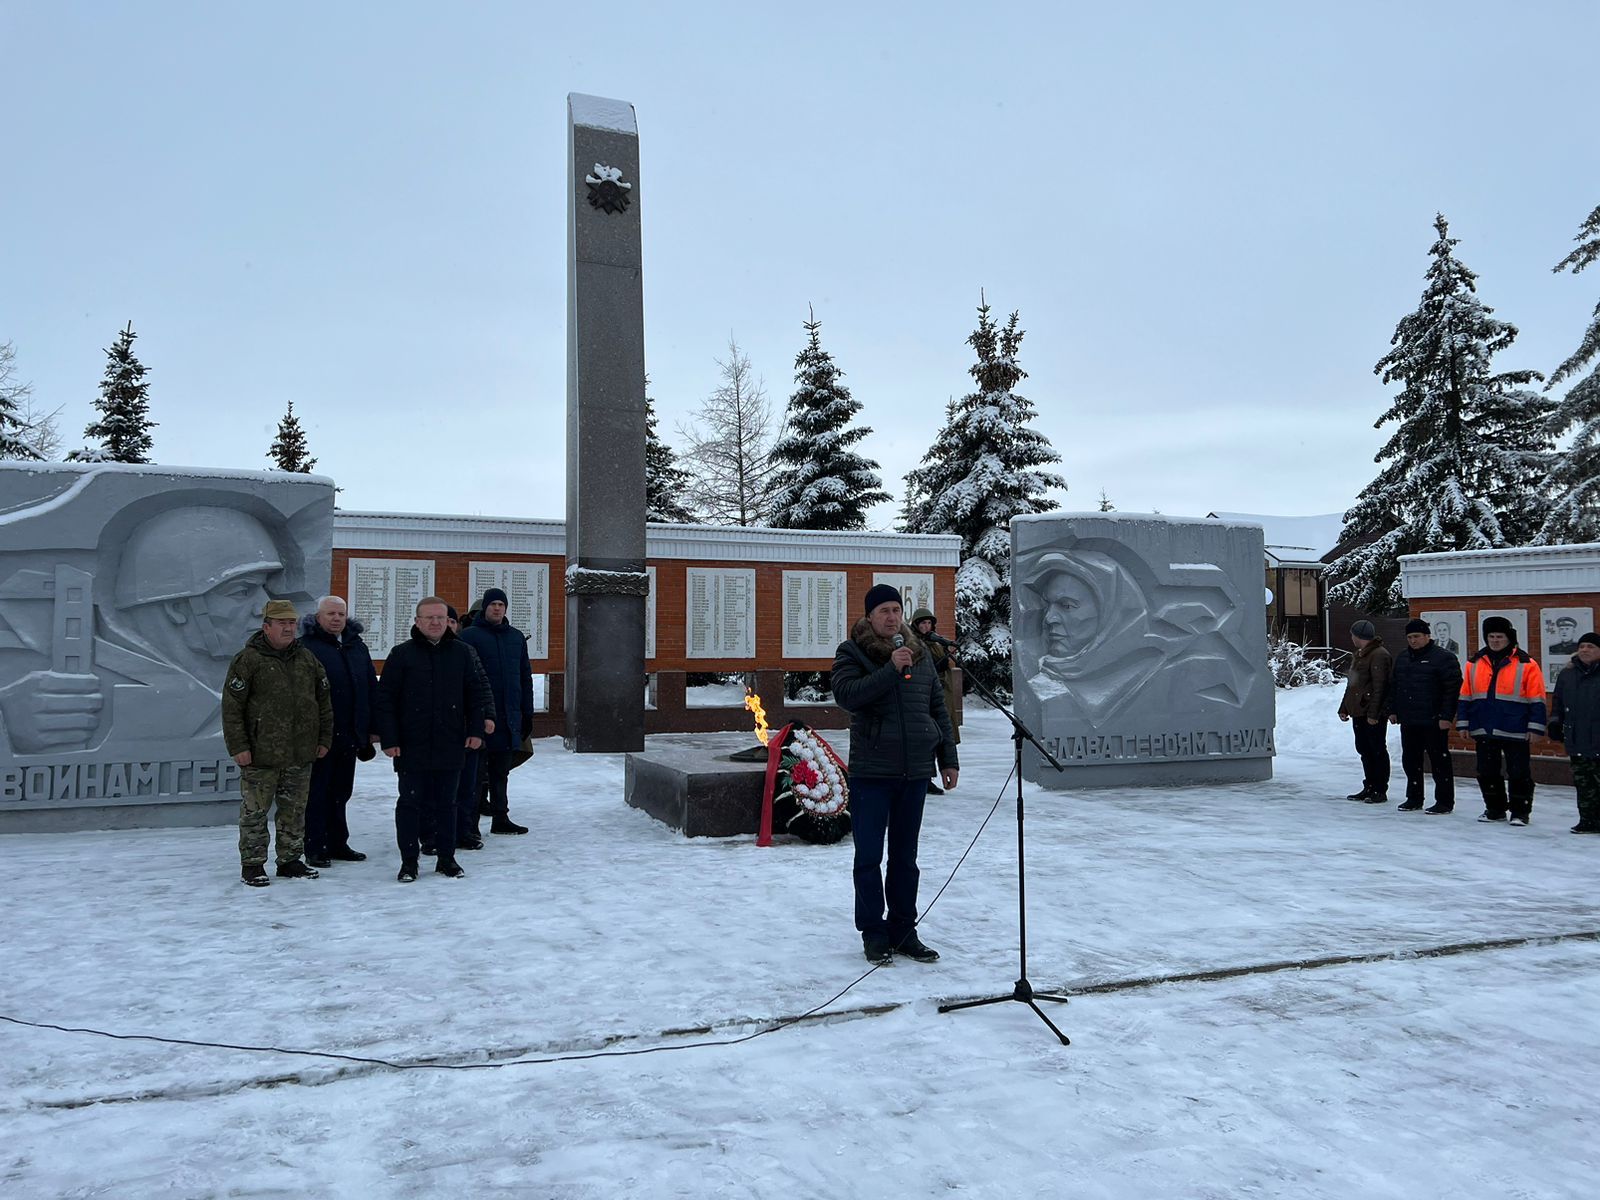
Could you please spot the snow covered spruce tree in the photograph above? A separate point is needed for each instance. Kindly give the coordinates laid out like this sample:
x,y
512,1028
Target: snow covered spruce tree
x,y
124,405
1575,513
818,481
729,456
982,470
15,428
288,449
665,482
1465,467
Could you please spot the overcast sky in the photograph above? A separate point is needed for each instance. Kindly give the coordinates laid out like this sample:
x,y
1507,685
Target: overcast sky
x,y
1210,217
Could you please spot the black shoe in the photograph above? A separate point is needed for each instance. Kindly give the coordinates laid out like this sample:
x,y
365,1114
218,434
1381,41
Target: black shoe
x,y
1361,795
1580,827
935,790
1439,810
255,874
1516,820
1410,806
1377,797
408,873
1487,818
449,867
878,950
318,860
911,947
429,850
469,843
345,854
506,825
295,869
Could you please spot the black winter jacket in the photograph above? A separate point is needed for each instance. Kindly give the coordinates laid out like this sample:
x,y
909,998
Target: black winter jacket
x,y
352,682
503,650
899,728
429,703
1425,685
1577,707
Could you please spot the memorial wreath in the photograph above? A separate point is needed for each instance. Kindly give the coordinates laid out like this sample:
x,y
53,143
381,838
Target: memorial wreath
x,y
806,791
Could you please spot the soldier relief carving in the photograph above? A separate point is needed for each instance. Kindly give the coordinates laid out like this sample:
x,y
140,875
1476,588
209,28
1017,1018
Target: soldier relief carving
x,y
123,594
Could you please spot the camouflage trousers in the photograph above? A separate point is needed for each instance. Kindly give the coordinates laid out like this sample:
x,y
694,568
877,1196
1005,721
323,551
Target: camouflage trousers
x,y
1586,778
261,788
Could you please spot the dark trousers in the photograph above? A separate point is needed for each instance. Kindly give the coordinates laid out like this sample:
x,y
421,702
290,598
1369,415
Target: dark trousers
x,y
432,793
1430,740
886,810
495,767
1372,744
1497,795
467,800
333,776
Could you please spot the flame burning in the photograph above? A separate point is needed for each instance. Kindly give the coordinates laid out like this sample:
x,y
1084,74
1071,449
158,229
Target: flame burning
x,y
753,703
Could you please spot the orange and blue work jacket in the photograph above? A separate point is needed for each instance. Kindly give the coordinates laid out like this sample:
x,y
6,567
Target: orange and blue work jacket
x,y
1501,697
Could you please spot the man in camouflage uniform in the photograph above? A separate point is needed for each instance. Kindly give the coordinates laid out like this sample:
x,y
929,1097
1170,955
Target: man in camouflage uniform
x,y
277,719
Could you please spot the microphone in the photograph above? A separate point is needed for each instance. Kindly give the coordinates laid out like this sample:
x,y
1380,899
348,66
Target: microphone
x,y
898,641
930,636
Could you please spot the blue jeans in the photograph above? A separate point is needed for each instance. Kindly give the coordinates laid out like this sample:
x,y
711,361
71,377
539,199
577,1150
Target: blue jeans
x,y
886,810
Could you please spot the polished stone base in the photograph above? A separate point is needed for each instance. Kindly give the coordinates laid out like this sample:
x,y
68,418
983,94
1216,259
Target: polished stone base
x,y
168,815
1192,773
697,791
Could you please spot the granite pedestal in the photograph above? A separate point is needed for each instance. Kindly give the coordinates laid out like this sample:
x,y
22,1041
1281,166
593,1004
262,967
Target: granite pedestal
x,y
698,792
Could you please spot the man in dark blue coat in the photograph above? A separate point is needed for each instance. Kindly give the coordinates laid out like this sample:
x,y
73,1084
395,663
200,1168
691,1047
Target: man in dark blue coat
x,y
1575,721
899,732
430,713
353,687
503,651
1424,687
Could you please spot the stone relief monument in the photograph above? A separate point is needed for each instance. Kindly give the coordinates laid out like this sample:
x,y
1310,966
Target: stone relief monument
x,y
1140,649
124,591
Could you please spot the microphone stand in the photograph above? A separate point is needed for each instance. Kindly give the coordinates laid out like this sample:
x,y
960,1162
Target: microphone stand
x,y
1022,992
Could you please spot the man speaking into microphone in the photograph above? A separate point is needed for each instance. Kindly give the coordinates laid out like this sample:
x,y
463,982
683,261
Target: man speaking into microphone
x,y
900,731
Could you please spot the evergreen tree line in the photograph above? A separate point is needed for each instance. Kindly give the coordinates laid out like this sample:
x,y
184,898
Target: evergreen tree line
x,y
1472,461
123,430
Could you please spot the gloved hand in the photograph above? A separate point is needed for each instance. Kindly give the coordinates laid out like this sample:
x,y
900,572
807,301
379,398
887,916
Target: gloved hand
x,y
1555,731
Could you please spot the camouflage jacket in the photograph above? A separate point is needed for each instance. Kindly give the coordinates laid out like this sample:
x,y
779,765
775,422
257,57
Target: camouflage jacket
x,y
276,705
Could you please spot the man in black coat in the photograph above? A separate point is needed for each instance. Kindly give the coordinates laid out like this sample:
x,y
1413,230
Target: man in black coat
x,y
430,713
1575,722
503,651
353,687
1425,687
899,729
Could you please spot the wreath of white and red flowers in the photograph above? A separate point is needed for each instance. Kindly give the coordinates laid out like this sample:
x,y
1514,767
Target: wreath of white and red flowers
x,y
816,776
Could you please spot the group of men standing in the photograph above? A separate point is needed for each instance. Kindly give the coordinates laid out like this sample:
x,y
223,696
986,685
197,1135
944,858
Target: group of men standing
x,y
1497,698
302,703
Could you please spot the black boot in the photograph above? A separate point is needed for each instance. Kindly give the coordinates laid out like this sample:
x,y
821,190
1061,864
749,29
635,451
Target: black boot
x,y
504,824
408,872
295,869
1410,806
1377,797
1361,795
449,868
255,874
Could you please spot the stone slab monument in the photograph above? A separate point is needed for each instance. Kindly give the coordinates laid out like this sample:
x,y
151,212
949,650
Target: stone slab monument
x,y
1140,649
606,583
124,591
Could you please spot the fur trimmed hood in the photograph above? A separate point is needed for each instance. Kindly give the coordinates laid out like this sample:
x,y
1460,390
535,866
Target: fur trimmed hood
x,y
878,648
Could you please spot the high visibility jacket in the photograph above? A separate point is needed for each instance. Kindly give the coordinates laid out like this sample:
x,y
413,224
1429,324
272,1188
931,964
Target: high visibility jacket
x,y
1502,698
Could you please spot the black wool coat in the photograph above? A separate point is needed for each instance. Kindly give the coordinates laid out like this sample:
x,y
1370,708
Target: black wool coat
x,y
352,682
429,702
1425,685
1577,707
899,728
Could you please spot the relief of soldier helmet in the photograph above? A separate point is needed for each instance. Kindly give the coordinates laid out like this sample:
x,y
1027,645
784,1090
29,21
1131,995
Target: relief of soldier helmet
x,y
196,578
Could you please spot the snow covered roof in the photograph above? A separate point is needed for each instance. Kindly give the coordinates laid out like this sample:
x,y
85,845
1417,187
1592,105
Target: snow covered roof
x,y
1513,571
1294,540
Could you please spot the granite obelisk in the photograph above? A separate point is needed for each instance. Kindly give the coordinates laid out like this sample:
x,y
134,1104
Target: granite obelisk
x,y
605,580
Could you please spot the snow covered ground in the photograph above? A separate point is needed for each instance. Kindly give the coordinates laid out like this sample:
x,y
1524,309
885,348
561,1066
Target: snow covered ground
x,y
1474,1074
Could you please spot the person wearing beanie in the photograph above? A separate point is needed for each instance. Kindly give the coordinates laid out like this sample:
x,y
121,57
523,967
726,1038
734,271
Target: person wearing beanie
x,y
503,650
900,732
1365,704
277,719
1501,706
1422,701
1575,721
926,626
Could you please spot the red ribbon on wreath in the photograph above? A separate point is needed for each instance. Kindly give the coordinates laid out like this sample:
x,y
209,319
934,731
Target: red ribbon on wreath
x,y
774,762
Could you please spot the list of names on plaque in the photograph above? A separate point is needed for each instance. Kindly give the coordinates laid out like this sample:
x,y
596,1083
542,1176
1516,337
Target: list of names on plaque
x,y
527,589
383,597
650,616
720,613
814,604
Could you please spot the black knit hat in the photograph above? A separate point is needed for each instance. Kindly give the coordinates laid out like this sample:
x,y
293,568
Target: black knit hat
x,y
493,594
881,593
1418,625
450,611
1592,638
1499,625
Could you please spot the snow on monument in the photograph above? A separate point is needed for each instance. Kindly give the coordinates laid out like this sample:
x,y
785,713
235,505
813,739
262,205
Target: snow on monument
x,y
124,591
1140,649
